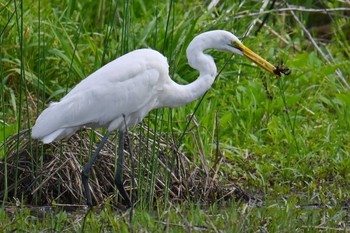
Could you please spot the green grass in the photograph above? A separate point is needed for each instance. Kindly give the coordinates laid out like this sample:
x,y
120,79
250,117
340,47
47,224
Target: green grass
x,y
285,140
285,216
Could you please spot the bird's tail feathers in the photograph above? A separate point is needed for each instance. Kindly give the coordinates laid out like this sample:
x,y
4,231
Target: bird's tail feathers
x,y
49,125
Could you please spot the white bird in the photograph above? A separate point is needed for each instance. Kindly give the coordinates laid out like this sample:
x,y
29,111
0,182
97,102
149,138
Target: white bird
x,y
121,93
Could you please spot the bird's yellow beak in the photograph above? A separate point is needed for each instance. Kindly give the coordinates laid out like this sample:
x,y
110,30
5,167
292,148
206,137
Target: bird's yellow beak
x,y
256,58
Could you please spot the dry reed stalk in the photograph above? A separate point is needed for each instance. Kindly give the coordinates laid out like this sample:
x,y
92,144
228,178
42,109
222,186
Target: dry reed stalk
x,y
48,174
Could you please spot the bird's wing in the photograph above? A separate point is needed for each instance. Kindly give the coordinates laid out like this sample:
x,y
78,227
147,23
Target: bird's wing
x,y
124,68
124,86
99,104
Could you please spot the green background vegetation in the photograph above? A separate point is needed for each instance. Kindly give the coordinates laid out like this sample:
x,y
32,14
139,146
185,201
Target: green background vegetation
x,y
285,140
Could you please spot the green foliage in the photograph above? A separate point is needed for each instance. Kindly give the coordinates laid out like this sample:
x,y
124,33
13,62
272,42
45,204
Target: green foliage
x,y
278,136
285,216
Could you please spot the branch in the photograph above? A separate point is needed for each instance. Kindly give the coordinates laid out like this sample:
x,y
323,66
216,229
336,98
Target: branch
x,y
300,9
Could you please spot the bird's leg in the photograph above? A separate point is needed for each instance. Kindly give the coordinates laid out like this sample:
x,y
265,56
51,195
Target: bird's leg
x,y
119,173
86,170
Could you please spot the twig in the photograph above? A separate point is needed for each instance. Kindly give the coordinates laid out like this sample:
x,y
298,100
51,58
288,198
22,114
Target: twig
x,y
49,177
278,35
299,9
266,17
338,71
250,28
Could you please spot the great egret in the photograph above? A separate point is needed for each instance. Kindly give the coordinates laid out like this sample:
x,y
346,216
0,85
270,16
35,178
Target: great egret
x,y
122,92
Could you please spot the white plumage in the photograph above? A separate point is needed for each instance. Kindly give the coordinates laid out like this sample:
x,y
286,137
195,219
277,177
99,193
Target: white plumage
x,y
102,98
122,92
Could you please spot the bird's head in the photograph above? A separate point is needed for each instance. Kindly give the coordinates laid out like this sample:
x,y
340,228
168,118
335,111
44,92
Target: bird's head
x,y
224,40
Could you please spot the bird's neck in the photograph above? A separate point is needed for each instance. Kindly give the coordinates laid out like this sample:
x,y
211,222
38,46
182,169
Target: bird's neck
x,y
200,61
178,94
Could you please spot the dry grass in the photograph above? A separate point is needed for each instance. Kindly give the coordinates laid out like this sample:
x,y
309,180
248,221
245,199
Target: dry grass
x,y
55,177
